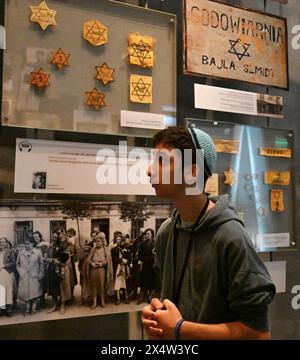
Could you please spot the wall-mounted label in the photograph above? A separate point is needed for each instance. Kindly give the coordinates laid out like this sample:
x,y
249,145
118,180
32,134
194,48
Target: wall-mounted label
x,y
277,271
77,168
142,120
277,178
276,152
273,240
236,101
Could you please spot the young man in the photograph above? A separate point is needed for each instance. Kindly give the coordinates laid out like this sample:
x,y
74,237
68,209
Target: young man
x,y
213,284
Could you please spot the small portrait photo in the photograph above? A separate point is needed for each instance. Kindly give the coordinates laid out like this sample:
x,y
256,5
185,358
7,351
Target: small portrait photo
x,y
37,56
39,179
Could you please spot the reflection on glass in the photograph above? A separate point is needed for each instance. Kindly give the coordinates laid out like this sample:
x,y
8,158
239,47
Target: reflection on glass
x,y
265,206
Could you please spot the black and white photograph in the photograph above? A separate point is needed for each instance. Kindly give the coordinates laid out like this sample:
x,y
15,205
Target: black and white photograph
x,y
38,56
270,105
39,180
66,259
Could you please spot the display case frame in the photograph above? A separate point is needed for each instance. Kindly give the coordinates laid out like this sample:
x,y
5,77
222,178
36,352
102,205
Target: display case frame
x,y
242,149
62,106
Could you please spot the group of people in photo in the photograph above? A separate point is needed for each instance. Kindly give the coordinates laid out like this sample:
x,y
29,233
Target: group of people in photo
x,y
40,273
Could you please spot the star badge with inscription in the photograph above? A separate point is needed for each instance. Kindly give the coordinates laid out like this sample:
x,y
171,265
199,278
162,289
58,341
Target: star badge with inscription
x,y
43,15
239,48
40,79
141,89
141,51
105,74
95,32
95,98
230,177
60,59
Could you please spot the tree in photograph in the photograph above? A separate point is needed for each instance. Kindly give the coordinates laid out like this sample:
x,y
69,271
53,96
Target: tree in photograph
x,y
77,210
137,213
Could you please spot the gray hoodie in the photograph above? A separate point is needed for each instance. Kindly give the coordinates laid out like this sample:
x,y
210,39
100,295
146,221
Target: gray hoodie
x,y
225,280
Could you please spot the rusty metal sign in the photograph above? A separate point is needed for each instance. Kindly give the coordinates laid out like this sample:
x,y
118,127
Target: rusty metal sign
x,y
234,43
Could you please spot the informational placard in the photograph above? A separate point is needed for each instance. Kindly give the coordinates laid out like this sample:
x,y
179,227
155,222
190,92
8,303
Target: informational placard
x,y
77,168
277,271
273,240
236,101
233,43
142,120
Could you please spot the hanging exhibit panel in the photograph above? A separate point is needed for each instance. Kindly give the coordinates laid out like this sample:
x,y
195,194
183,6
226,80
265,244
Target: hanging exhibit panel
x,y
248,45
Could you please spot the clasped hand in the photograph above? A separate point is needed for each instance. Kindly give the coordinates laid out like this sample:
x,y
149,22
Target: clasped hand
x,y
159,319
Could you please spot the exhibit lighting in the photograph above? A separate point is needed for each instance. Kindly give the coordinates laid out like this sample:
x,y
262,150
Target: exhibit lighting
x,y
254,168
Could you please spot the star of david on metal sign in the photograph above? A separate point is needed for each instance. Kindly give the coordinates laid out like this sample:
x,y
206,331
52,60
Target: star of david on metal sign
x,y
39,79
43,15
239,48
141,89
95,33
141,51
95,98
105,73
60,59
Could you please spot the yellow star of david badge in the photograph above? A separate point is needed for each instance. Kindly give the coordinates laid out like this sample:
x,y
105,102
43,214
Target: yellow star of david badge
x,y
40,79
95,32
60,59
43,15
141,89
230,177
95,98
105,74
141,50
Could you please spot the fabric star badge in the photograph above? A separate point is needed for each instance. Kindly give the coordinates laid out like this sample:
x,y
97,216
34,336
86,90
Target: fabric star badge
x,y
95,32
141,50
105,74
60,59
43,15
230,177
40,79
276,200
141,89
95,98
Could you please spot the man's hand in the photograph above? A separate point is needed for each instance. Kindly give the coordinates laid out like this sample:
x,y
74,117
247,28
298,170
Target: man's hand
x,y
167,318
148,319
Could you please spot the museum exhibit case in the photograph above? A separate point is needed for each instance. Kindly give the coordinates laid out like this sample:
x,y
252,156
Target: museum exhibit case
x,y
78,77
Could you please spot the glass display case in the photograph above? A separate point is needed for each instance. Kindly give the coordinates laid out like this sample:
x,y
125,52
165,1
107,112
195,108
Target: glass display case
x,y
56,58
255,168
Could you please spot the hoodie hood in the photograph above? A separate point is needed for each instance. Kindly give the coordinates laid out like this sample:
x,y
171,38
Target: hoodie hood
x,y
221,213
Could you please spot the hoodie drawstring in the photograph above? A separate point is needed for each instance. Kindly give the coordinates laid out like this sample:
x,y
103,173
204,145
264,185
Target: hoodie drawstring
x,y
176,292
